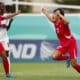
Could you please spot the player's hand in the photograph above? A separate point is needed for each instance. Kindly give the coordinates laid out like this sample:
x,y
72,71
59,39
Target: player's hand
x,y
43,10
18,12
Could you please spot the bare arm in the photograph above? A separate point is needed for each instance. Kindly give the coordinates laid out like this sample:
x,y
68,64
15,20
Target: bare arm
x,y
45,12
63,17
12,15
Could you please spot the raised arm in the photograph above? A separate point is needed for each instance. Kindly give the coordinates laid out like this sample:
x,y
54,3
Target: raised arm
x,y
12,15
45,12
63,17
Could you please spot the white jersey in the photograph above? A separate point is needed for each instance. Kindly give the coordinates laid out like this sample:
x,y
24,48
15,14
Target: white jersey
x,y
4,39
3,31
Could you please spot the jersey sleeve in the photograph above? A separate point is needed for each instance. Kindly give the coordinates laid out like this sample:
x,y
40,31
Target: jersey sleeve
x,y
2,18
64,23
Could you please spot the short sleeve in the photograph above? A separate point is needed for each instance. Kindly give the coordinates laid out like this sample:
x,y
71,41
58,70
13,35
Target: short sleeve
x,y
2,18
65,24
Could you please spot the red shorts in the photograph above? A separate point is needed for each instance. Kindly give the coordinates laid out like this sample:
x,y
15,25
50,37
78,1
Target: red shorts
x,y
1,48
69,46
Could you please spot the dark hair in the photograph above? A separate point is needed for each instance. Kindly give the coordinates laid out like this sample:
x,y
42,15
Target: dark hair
x,y
8,8
61,11
1,3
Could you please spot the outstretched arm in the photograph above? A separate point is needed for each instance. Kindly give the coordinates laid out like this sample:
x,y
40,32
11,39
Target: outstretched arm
x,y
12,15
45,12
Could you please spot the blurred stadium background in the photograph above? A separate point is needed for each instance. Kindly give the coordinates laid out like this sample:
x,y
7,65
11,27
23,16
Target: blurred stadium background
x,y
27,32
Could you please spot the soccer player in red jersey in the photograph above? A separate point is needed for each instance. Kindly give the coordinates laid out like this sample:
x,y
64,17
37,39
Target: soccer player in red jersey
x,y
67,40
3,53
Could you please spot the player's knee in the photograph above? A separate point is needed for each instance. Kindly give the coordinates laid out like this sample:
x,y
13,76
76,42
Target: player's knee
x,y
54,57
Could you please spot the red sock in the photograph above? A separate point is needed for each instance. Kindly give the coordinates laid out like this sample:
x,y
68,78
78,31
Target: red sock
x,y
6,66
77,67
62,58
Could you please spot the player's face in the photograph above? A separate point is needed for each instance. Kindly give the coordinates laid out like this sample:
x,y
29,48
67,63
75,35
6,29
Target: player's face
x,y
55,16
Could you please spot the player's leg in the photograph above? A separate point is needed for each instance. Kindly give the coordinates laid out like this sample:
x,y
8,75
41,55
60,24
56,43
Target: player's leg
x,y
4,57
57,55
5,61
73,55
8,58
6,46
9,75
75,65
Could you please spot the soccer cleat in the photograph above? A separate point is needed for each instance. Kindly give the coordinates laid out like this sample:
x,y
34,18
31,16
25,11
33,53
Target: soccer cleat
x,y
68,63
10,76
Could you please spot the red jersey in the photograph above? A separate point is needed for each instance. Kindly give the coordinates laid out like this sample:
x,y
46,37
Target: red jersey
x,y
62,31
1,18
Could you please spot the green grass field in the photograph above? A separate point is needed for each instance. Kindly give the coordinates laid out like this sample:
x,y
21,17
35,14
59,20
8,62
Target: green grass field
x,y
41,71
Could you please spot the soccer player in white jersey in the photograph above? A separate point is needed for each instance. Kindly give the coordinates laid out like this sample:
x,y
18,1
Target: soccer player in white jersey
x,y
4,40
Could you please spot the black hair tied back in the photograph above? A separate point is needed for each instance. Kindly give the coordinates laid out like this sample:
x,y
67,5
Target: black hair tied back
x,y
61,11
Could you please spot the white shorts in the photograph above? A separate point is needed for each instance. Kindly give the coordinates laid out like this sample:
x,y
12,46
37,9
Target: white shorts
x,y
5,45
